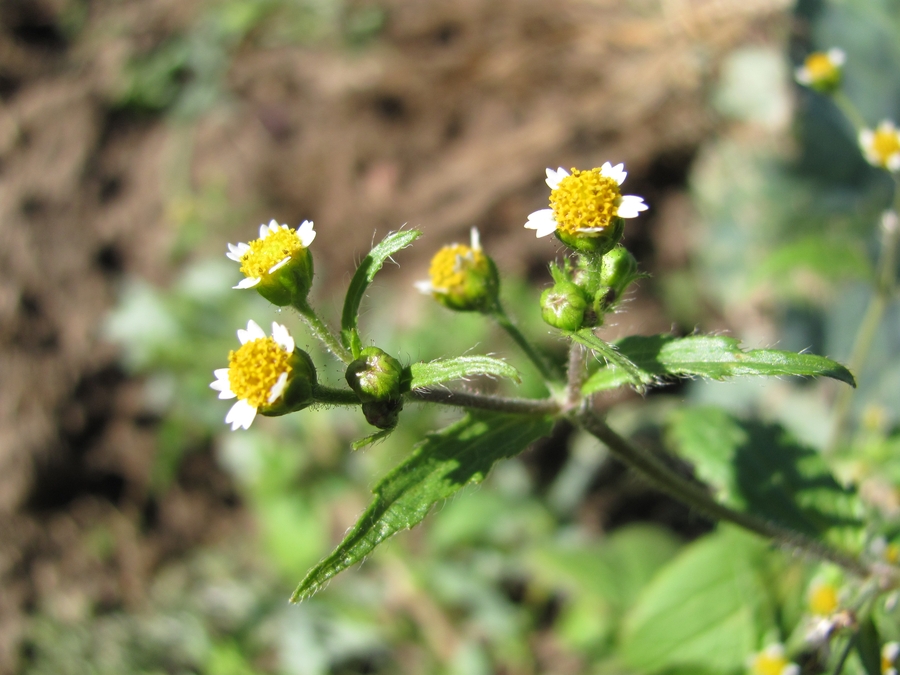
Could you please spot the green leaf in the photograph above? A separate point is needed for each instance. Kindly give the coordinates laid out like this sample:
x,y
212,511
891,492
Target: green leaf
x,y
760,469
705,611
444,370
443,463
616,361
660,356
364,275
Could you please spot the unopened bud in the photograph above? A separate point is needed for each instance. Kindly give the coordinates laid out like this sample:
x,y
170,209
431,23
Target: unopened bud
x,y
563,306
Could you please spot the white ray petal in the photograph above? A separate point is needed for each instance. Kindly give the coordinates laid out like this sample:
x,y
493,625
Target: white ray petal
x,y
553,177
424,287
248,282
282,336
617,172
474,240
837,56
277,388
237,252
279,264
630,206
241,414
306,233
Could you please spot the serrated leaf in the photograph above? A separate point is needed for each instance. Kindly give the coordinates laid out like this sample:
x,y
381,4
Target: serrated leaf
x,y
627,371
760,469
364,275
443,463
426,374
713,356
704,612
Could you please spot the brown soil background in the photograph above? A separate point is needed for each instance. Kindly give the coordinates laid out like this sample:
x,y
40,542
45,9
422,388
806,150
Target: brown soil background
x,y
445,121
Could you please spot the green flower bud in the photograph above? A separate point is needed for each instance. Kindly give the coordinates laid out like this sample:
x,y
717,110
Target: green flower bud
x,y
463,278
563,306
375,375
383,414
618,270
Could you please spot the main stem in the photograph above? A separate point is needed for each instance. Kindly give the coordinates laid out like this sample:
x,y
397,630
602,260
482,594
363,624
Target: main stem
x,y
322,332
689,493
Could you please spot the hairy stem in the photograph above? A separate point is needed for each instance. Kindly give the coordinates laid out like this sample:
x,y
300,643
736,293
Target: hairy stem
x,y
322,332
576,374
461,399
333,396
549,372
692,495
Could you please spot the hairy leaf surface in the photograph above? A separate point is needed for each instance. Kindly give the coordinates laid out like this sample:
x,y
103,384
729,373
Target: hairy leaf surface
x,y
443,463
364,275
426,374
660,356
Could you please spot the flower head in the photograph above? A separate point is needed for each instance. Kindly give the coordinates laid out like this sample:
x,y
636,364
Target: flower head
x,y
881,147
260,373
889,653
277,264
821,70
585,203
772,661
462,277
823,598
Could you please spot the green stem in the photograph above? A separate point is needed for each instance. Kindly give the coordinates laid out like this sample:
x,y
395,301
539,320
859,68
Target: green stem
x,y
885,286
845,652
549,372
461,399
850,112
691,494
321,331
576,374
333,396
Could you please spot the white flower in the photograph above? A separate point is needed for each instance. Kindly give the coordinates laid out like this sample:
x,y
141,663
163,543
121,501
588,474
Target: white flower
x,y
276,245
584,202
821,69
772,661
449,265
889,653
257,373
881,147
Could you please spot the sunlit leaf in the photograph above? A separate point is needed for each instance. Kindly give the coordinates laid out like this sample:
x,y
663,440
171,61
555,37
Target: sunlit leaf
x,y
662,356
704,612
444,370
616,360
364,275
759,468
442,464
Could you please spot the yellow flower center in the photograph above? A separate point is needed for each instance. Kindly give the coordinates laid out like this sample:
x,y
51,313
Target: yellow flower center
x,y
820,67
255,368
769,664
823,600
450,264
885,143
584,199
892,554
268,252
886,662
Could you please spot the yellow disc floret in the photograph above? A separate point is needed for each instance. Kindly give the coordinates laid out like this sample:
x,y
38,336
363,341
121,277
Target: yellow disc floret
x,y
267,252
820,66
450,264
255,368
585,200
823,599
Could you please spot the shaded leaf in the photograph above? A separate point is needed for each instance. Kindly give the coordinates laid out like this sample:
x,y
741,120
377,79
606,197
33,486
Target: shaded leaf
x,y
364,275
443,370
704,612
760,469
716,357
443,463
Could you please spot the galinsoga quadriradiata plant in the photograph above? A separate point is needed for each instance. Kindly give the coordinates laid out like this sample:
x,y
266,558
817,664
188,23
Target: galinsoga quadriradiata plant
x,y
810,514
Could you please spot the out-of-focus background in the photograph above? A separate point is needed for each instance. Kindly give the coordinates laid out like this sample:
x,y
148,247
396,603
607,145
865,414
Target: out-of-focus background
x,y
138,137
